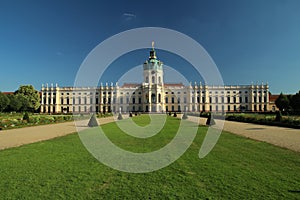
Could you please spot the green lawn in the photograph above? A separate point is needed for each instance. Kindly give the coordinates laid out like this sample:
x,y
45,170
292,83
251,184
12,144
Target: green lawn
x,y
237,168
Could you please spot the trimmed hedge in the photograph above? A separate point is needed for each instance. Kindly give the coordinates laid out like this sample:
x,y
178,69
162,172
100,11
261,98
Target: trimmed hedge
x,y
271,121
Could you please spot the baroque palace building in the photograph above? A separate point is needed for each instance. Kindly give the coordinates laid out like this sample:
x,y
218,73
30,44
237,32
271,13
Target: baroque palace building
x,y
153,95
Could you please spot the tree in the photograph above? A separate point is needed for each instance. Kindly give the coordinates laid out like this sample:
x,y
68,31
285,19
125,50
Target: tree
x,y
295,102
4,101
31,96
282,102
15,103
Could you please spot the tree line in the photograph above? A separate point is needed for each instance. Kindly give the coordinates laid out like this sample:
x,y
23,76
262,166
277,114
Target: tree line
x,y
26,98
288,102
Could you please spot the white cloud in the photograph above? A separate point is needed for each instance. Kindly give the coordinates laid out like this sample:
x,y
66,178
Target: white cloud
x,y
128,16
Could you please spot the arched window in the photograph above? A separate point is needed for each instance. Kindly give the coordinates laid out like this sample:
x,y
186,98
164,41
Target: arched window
x,y
153,79
147,79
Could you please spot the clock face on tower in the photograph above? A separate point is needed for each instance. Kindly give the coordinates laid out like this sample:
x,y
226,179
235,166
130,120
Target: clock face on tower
x,y
153,72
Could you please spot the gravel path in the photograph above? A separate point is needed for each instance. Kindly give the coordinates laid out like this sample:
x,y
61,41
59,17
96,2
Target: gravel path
x,y
279,136
19,136
284,137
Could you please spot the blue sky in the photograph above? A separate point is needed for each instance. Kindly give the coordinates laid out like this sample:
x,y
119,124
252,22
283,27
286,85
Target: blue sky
x,y
249,40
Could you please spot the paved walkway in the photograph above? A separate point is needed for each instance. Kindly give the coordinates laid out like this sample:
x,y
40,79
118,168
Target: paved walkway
x,y
283,137
19,136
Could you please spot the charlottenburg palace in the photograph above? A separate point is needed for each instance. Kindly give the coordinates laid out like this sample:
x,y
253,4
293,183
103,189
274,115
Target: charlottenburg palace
x,y
153,95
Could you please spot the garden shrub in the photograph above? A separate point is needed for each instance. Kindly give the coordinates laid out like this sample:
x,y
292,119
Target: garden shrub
x,y
26,117
184,116
278,116
93,121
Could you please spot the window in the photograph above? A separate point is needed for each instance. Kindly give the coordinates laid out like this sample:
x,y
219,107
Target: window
x,y
234,99
62,101
217,100
222,99
228,99
241,100
166,99
246,99
172,101
133,100
210,100
159,79
97,100
153,79
147,79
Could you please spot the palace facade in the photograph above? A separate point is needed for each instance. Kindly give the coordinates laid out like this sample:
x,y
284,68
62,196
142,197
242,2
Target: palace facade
x,y
153,95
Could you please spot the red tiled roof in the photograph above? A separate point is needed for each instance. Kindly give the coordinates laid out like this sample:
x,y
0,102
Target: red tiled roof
x,y
8,93
273,97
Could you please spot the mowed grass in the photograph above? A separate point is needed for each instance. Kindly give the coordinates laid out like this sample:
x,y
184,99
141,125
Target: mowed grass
x,y
237,168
